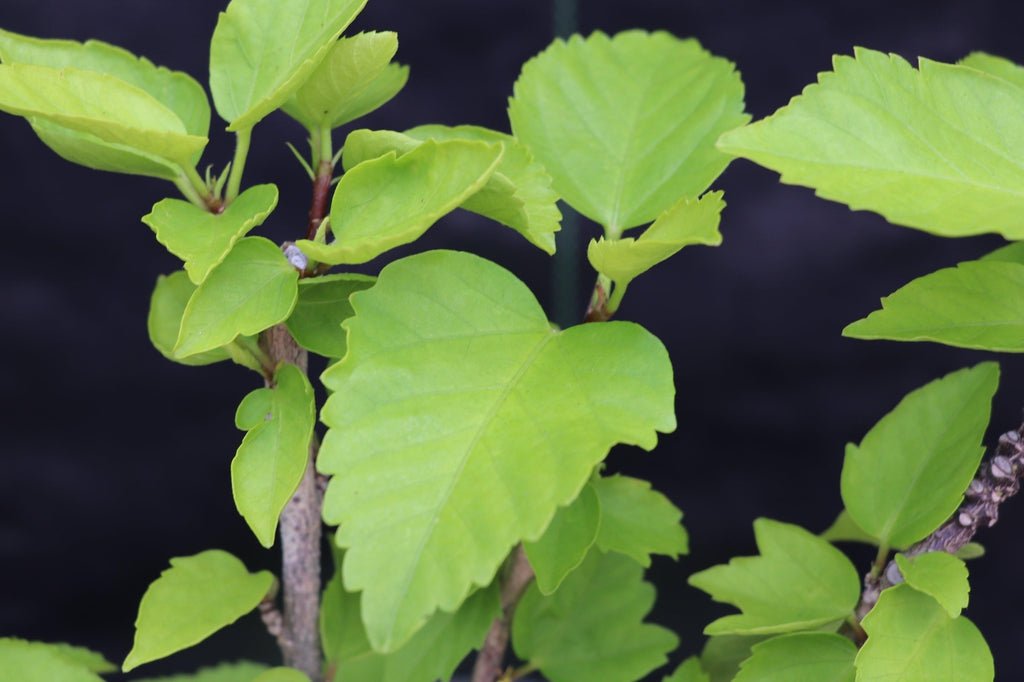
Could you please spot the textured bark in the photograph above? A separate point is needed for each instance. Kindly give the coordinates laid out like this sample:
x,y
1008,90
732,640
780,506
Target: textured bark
x,y
517,578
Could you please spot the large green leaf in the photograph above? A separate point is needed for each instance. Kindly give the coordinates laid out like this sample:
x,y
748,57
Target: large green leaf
x,y
518,194
566,541
940,575
638,521
799,582
592,628
939,148
166,307
203,239
100,105
996,66
689,671
355,78
627,125
689,221
273,456
252,289
912,639
431,654
910,472
322,307
176,90
978,304
801,657
191,600
460,422
243,671
391,200
39,662
264,50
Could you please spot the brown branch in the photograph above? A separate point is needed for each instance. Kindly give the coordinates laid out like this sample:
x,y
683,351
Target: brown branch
x,y
321,193
998,479
297,629
517,578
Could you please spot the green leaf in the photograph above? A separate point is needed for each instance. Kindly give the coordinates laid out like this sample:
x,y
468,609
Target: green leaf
x,y
355,78
166,306
264,50
722,656
565,543
689,221
937,148
431,654
272,458
592,628
202,239
972,550
106,107
510,419
943,649
910,472
978,304
282,674
940,575
845,529
243,671
39,662
252,289
176,90
627,125
518,194
638,521
801,657
1011,253
689,671
195,597
322,307
996,66
391,200
799,582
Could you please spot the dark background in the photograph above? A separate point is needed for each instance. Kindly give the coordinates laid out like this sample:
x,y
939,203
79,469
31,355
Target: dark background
x,y
113,459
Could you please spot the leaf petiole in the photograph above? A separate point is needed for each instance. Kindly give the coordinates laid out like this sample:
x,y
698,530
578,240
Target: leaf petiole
x,y
242,140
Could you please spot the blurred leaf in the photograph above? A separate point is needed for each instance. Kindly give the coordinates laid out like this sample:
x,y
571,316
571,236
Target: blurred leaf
x,y
845,529
801,657
45,662
243,671
322,307
689,671
722,655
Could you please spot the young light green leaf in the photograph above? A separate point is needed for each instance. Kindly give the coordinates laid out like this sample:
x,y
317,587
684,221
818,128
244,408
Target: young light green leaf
x,y
100,105
355,78
688,221
391,200
627,125
479,472
166,306
252,289
638,521
565,543
722,656
801,657
592,628
689,671
996,66
191,600
243,671
203,239
940,575
39,662
273,456
944,649
910,472
938,148
978,304
518,194
432,654
799,582
264,50
845,529
972,550
176,90
282,674
322,307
